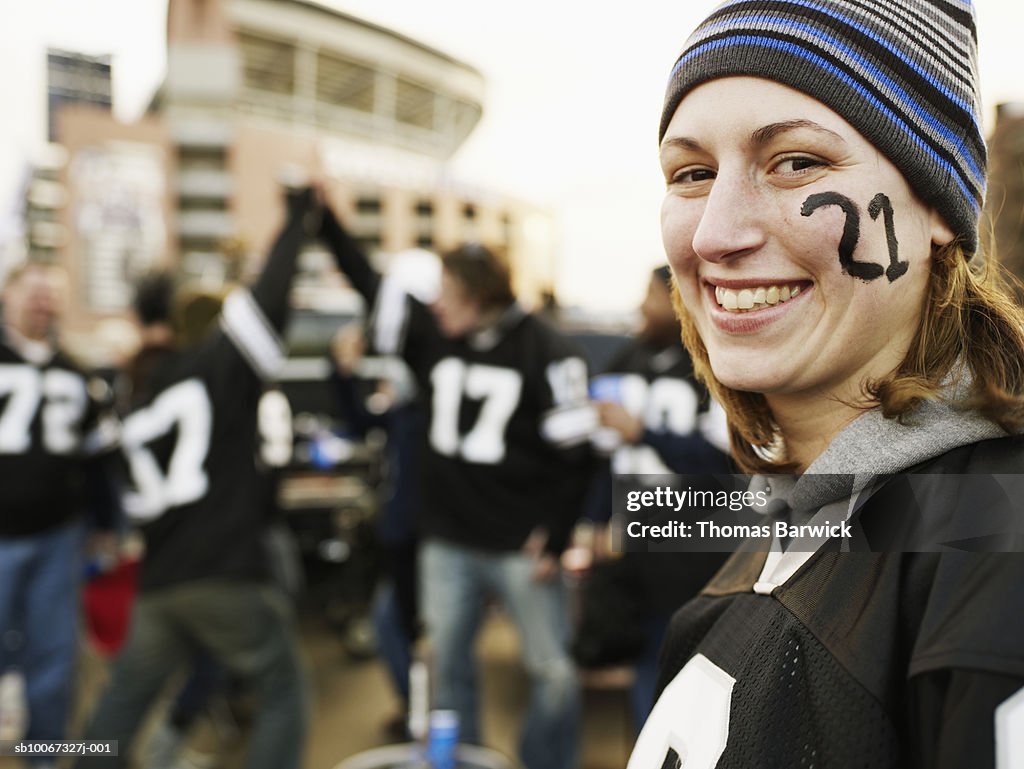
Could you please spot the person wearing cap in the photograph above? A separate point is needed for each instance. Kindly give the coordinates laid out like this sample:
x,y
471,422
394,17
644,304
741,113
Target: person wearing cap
x,y
825,170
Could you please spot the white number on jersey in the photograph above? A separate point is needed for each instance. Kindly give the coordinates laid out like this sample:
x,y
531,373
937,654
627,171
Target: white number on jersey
x,y
689,722
499,390
568,381
274,420
187,406
63,398
1010,732
668,404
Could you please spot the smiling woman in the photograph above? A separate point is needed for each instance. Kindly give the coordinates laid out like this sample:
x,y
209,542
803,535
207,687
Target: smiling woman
x,y
825,170
765,206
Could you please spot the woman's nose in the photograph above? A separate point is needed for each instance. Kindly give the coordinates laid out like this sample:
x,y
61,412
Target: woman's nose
x,y
730,223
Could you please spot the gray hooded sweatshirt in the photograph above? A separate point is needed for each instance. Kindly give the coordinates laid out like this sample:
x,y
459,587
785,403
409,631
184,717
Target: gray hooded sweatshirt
x,y
843,477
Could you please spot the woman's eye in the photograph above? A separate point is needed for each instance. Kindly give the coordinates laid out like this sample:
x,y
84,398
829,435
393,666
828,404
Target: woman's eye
x,y
797,164
693,176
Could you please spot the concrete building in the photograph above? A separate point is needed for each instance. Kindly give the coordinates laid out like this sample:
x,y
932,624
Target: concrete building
x,y
71,79
45,198
74,78
254,87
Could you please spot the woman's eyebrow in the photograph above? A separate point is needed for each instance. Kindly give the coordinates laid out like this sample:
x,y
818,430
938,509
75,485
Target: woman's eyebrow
x,y
681,143
765,134
758,138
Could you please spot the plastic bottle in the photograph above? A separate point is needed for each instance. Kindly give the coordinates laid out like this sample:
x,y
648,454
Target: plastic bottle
x,y
443,739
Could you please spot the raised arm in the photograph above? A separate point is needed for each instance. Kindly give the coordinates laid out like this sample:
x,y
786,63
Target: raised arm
x,y
274,282
254,319
349,257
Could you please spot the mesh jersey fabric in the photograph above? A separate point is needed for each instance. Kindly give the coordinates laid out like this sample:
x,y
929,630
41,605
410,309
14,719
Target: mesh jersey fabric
x,y
862,659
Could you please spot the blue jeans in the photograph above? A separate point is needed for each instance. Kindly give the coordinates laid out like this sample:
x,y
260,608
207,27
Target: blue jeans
x,y
456,581
39,578
393,644
247,628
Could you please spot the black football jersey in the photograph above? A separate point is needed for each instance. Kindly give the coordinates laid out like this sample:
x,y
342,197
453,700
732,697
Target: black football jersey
x,y
197,485
49,428
685,431
509,417
198,463
847,659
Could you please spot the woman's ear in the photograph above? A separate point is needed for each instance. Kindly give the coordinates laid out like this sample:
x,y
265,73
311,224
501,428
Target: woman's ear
x,y
942,234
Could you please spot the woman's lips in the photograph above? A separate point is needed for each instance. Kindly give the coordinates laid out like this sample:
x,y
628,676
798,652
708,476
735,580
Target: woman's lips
x,y
747,306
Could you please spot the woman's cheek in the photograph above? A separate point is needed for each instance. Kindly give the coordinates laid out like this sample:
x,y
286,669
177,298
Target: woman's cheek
x,y
679,221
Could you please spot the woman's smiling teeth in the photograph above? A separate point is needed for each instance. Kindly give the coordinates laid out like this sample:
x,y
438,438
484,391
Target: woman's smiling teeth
x,y
746,299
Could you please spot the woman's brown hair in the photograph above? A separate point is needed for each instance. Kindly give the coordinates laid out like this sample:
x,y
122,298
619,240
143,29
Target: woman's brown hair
x,y
970,320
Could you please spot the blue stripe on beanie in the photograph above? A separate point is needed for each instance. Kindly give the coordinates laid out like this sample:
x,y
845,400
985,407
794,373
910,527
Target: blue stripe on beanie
x,y
833,69
871,63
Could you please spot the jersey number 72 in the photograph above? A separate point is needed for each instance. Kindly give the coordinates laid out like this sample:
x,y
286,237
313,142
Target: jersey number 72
x,y
62,397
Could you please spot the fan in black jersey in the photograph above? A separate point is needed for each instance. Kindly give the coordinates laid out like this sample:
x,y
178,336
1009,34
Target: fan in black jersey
x,y
503,469
656,418
826,256
52,443
197,491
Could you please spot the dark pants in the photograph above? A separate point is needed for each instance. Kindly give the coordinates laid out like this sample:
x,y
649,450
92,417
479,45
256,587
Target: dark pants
x,y
247,628
395,614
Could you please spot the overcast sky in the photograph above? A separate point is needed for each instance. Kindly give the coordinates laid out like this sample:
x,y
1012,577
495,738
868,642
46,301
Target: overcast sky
x,y
570,118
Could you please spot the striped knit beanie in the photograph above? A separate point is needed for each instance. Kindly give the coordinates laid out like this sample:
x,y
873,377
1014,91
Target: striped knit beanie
x,y
902,72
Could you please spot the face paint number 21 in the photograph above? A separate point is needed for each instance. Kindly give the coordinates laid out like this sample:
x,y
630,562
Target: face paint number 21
x,y
879,204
